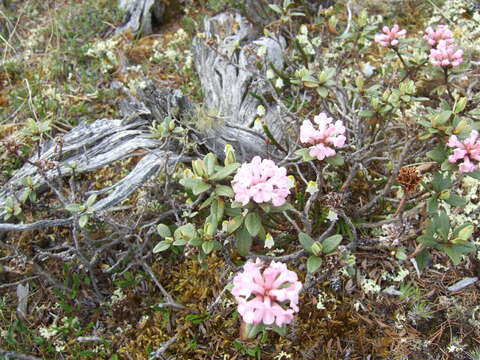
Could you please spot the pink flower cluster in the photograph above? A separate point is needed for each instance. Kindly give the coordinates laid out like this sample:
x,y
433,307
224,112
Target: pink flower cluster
x,y
390,36
327,135
467,151
434,36
262,181
443,53
262,296
446,55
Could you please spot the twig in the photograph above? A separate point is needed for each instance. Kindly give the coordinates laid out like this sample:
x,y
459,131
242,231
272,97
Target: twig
x,y
2,286
164,347
14,355
447,84
168,297
36,225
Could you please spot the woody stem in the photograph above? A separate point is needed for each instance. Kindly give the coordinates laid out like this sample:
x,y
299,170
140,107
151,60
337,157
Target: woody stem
x,y
445,75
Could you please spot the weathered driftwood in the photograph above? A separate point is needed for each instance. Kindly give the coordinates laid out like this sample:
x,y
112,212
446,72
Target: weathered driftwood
x,y
141,15
88,147
226,61
229,75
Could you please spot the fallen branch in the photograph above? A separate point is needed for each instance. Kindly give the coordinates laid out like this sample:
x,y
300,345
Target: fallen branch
x,y
14,355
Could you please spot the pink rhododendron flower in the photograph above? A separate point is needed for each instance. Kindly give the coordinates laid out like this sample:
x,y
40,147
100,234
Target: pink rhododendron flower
x,y
262,181
434,36
262,293
390,37
446,55
467,151
323,139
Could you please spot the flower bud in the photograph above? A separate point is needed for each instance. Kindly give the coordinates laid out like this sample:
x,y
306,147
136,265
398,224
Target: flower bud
x,y
229,155
445,194
317,248
199,168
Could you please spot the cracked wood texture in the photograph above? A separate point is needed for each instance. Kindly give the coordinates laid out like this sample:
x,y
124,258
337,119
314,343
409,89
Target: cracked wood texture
x,y
228,66
229,73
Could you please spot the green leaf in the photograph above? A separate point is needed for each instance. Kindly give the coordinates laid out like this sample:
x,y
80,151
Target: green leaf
x,y
455,200
186,232
163,230
313,263
282,331
196,185
207,202
200,188
276,8
252,330
366,113
224,190
225,172
427,241
25,195
442,224
161,246
217,209
179,242
243,241
306,241
441,118
207,247
438,154
234,223
83,220
460,105
465,247
211,224
432,205
422,259
336,160
91,200
198,167
322,91
401,255
453,254
253,223
210,161
305,154
474,174
447,165
465,231
440,183
74,208
233,212
331,243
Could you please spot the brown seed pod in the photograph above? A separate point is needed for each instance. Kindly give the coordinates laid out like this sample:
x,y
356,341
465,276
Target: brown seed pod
x,y
409,178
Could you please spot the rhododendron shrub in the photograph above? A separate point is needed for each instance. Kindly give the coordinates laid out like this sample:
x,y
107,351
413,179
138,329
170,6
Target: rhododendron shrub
x,y
266,295
446,55
466,151
261,181
442,32
323,137
390,37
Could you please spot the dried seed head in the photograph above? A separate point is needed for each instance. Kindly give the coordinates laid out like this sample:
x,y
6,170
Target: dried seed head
x,y
409,178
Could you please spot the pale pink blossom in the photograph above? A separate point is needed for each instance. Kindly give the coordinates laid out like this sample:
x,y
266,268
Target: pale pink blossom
x,y
266,295
390,37
262,181
467,150
434,36
446,55
329,134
